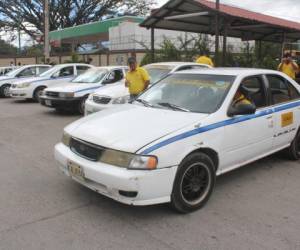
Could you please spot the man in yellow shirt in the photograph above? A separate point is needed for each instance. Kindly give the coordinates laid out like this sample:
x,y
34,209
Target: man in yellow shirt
x,y
205,59
288,66
137,79
240,98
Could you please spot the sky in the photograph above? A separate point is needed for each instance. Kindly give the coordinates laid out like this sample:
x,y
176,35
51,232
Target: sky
x,y
288,9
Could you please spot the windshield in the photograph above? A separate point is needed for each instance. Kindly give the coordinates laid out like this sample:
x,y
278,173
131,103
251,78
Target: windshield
x,y
91,76
157,72
51,71
14,72
189,92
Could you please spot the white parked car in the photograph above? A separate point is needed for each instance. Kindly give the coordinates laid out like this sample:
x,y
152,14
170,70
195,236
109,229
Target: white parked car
x,y
32,88
72,95
115,95
171,143
5,70
18,74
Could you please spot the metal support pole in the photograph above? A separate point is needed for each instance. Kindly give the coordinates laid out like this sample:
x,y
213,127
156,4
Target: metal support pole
x,y
224,51
19,38
152,46
282,44
217,32
259,52
46,32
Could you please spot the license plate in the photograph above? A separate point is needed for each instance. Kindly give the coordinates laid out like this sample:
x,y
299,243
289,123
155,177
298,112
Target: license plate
x,y
48,103
75,170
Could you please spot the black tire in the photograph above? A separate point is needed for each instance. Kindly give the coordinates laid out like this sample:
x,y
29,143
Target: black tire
x,y
293,151
4,90
37,93
194,183
81,105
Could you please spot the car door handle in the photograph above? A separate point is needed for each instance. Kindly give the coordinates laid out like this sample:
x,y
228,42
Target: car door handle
x,y
269,117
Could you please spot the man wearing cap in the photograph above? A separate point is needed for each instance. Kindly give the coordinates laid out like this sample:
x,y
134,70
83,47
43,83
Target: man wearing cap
x,y
137,78
205,59
288,66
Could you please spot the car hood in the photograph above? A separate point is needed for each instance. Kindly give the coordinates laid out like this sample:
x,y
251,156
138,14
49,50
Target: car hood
x,y
113,91
73,87
130,127
3,78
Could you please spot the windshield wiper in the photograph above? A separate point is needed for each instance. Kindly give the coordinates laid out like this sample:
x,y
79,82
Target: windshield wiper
x,y
145,103
173,106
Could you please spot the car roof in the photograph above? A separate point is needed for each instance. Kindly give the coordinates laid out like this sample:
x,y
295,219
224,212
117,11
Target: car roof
x,y
173,63
229,71
70,64
34,65
112,67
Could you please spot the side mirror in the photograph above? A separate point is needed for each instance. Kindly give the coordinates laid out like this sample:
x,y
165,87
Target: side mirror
x,y
241,109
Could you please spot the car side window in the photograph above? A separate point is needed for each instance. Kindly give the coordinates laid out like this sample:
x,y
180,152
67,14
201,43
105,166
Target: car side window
x,y
66,71
184,68
253,89
81,69
28,72
281,90
42,69
115,76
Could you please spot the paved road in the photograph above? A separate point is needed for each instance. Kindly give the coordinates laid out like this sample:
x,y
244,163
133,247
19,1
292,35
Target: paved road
x,y
256,207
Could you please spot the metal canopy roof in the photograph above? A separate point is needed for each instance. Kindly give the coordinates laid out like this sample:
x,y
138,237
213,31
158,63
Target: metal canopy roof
x,y
198,16
91,32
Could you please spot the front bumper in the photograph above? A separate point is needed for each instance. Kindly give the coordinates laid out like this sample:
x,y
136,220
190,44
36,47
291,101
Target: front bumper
x,y
57,102
151,187
92,107
21,93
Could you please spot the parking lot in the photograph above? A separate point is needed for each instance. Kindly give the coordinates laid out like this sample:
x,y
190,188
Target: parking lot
x,y
255,207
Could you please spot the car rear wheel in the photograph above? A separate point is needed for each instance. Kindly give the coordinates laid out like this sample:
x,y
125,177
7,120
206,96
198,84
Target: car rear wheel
x,y
293,151
4,90
37,93
194,183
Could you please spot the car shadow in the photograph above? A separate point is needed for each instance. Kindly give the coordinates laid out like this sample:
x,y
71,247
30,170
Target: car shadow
x,y
24,101
53,112
156,211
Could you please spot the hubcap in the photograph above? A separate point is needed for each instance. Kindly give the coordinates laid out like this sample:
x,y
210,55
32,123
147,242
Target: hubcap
x,y
195,183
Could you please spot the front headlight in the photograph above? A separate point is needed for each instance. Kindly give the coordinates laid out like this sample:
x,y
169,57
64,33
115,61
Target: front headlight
x,y
66,138
128,160
23,85
66,95
121,100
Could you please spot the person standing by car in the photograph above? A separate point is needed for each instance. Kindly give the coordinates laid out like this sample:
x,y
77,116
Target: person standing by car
x,y
137,79
288,66
205,59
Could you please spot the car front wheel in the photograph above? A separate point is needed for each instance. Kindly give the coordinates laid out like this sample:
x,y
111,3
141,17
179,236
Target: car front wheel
x,y
194,183
37,93
81,105
4,90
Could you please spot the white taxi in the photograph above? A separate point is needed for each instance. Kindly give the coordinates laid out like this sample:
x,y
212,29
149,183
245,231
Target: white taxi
x,y
71,96
109,97
20,74
32,87
171,143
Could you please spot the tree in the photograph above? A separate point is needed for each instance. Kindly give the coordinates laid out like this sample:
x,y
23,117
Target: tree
x,y
183,48
64,13
7,49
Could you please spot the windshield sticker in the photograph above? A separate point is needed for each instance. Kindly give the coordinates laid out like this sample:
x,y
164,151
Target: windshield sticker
x,y
201,83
